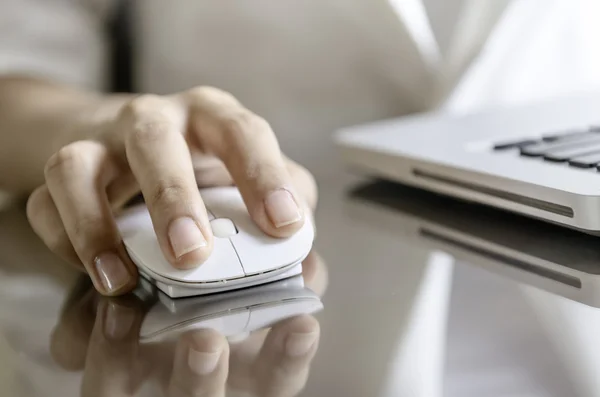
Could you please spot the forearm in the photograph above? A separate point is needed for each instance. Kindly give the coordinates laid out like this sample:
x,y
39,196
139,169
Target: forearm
x,y
37,118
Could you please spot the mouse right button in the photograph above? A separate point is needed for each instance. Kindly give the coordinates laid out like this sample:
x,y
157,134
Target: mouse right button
x,y
261,253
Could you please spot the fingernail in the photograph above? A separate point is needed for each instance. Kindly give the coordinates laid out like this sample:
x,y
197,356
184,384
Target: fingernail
x,y
112,271
203,363
185,236
300,344
118,321
282,208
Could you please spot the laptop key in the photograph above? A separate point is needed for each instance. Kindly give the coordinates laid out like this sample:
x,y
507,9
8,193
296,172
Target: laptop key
x,y
588,161
541,148
582,149
567,134
514,144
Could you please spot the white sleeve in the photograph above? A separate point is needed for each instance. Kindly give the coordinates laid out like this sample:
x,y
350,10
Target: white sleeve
x,y
62,40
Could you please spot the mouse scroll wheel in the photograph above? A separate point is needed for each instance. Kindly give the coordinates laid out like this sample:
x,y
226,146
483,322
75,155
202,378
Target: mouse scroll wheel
x,y
223,227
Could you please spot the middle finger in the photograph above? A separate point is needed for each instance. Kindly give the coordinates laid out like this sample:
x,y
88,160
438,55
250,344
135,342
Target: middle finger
x,y
248,147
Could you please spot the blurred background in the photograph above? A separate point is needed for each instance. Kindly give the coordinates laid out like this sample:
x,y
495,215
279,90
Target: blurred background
x,y
313,66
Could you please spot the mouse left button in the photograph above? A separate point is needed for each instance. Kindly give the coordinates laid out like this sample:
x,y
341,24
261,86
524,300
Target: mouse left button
x,y
223,263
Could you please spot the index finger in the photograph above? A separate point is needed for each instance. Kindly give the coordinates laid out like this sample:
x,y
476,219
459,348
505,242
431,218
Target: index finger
x,y
160,160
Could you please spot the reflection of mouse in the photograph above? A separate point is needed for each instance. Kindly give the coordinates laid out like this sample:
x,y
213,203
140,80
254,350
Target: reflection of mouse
x,y
242,256
234,314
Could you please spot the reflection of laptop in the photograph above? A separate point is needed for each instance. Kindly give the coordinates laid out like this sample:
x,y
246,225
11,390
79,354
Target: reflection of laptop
x,y
541,160
553,258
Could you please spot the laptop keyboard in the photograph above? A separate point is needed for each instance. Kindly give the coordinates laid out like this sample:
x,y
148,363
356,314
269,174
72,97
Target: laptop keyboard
x,y
577,148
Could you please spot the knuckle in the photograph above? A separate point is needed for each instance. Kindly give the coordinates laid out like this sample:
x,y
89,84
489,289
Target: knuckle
x,y
165,193
149,118
255,170
67,158
142,104
86,226
207,92
146,132
245,125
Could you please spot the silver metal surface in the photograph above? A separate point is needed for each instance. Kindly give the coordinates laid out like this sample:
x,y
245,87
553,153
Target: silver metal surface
x,y
452,154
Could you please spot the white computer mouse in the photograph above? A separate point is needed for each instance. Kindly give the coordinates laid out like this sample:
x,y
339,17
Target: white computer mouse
x,y
242,255
235,314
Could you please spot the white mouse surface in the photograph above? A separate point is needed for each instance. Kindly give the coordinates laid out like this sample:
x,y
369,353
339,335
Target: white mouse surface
x,y
240,247
257,251
223,263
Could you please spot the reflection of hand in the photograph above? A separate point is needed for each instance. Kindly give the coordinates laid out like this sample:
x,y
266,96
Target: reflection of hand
x,y
101,336
163,146
117,365
275,362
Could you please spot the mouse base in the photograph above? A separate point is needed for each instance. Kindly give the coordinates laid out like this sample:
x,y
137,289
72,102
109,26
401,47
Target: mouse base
x,y
177,291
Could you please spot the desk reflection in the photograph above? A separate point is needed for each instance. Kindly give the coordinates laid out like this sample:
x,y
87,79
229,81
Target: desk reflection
x,y
556,270
258,341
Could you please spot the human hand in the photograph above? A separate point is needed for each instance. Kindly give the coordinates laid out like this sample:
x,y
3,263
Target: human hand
x,y
165,147
100,336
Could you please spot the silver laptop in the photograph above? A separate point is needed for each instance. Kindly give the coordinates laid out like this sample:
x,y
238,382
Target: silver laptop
x,y
539,160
